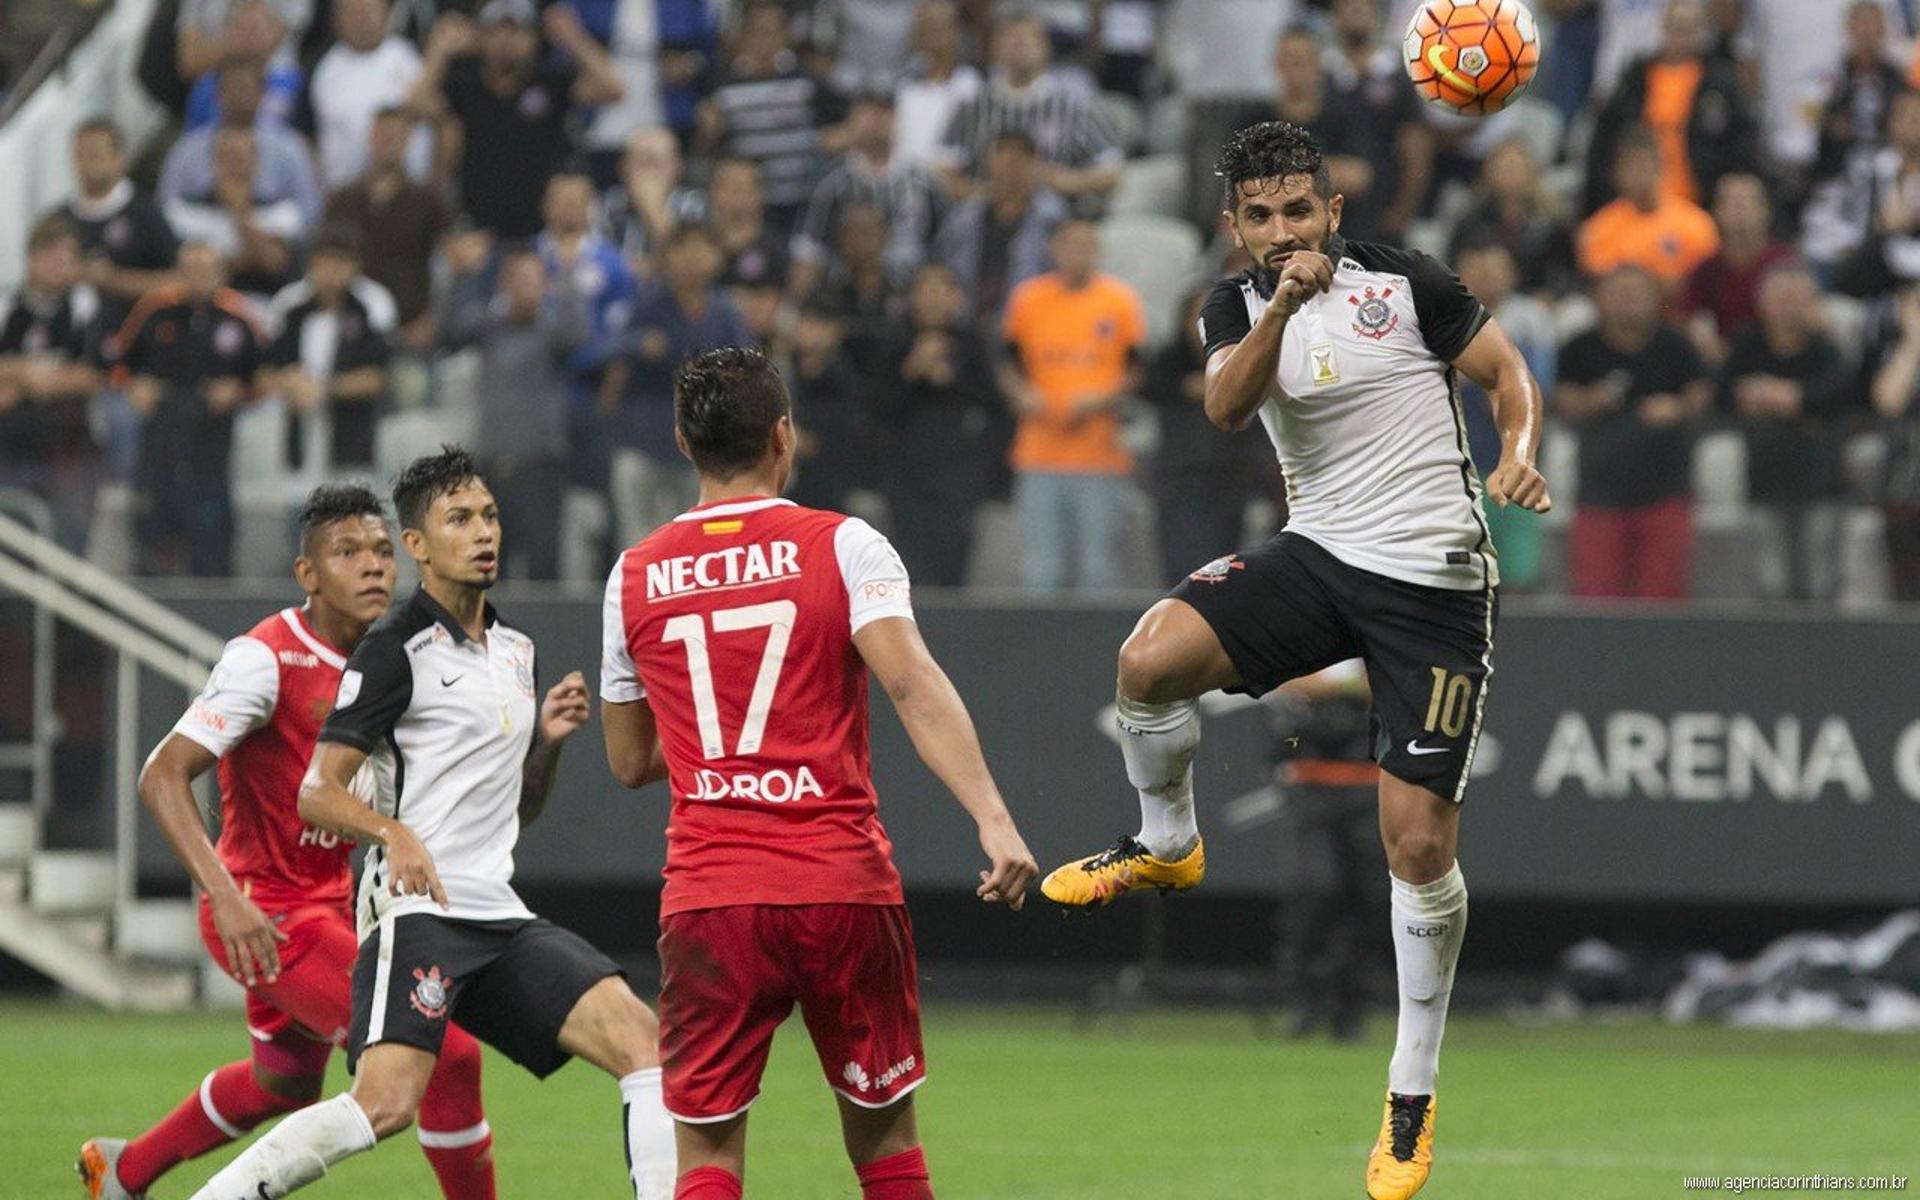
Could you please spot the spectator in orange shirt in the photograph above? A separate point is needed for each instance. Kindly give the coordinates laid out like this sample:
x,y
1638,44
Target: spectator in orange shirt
x,y
1664,235
1073,338
1689,96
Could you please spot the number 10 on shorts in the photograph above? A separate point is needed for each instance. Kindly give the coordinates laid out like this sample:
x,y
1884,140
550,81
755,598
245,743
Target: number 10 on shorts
x,y
1447,707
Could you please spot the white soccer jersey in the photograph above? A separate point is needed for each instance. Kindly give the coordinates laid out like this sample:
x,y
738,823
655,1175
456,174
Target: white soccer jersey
x,y
454,718
1364,415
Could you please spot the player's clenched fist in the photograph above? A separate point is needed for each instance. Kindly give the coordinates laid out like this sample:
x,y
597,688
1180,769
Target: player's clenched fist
x,y
1515,482
566,708
1306,273
1013,865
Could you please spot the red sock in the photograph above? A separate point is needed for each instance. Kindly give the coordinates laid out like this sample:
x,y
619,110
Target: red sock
x,y
453,1127
707,1183
900,1177
227,1104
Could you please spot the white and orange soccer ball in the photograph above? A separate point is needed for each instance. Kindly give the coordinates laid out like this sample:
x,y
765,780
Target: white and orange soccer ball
x,y
1472,56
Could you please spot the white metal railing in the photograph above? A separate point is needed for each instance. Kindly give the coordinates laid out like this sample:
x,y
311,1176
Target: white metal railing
x,y
139,630
35,755
97,79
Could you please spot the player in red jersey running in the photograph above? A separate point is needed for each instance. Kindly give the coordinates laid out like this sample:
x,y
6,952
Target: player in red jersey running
x,y
737,641
276,894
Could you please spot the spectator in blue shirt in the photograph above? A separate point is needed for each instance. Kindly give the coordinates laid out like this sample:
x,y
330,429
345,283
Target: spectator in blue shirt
x,y
570,249
681,314
285,168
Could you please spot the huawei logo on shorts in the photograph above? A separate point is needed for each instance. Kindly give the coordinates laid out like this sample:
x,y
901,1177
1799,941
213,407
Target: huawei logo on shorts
x,y
856,1075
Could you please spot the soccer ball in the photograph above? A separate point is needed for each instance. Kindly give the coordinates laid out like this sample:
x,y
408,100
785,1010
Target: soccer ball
x,y
1472,56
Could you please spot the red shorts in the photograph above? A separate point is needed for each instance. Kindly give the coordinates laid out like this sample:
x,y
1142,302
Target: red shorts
x,y
311,1001
731,975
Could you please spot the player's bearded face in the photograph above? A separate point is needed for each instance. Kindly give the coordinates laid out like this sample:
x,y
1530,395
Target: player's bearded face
x,y
353,567
1273,218
461,541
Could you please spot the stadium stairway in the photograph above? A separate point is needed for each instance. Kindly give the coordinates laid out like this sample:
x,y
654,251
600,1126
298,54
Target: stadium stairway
x,y
75,915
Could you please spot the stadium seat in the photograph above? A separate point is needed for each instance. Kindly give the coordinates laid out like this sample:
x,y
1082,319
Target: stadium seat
x,y
995,562
1864,581
1573,316
1846,325
1429,237
1158,256
1168,124
259,442
1719,477
110,540
400,438
1560,459
1126,120
262,528
1156,185
1536,122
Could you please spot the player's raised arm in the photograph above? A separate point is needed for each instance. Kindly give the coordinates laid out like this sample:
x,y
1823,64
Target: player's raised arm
x,y
943,734
564,711
1243,355
1495,363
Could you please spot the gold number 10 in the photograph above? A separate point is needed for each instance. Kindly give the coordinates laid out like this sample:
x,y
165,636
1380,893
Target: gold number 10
x,y
1447,710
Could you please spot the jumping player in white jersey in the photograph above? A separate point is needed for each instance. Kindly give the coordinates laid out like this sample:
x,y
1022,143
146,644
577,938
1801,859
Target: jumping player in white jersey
x,y
1346,351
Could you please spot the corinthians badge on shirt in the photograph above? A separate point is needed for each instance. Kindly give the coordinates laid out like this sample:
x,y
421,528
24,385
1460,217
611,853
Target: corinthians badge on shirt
x,y
1320,358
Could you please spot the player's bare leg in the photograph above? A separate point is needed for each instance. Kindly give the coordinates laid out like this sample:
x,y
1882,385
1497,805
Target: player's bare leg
x,y
610,1028
713,1158
884,1146
1171,659
1421,831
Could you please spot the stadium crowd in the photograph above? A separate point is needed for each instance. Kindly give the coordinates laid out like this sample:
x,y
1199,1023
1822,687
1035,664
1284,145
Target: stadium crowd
x,y
975,234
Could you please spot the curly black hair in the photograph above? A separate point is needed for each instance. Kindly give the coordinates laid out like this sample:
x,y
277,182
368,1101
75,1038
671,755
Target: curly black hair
x,y
725,405
1270,150
335,502
427,478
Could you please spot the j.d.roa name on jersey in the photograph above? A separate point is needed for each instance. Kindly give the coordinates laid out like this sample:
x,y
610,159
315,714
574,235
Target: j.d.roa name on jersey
x,y
735,566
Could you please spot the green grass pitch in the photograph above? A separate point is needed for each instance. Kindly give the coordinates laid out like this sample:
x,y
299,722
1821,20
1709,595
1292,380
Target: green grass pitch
x,y
1023,1104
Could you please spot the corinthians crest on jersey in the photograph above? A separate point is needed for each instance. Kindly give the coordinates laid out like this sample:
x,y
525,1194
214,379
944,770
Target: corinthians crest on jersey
x,y
1373,317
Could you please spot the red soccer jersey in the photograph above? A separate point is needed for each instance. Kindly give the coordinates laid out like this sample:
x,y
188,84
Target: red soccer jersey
x,y
736,623
260,714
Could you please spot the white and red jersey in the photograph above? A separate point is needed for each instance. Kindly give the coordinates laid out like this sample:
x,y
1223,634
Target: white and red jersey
x,y
735,622
260,714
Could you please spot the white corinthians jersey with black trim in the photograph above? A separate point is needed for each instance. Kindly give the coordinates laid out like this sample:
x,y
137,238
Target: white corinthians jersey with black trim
x,y
1364,416
449,721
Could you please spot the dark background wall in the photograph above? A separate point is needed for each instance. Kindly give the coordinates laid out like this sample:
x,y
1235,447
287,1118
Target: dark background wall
x,y
1673,779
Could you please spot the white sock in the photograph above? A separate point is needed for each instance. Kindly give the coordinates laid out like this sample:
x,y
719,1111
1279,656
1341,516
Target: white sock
x,y
651,1158
1429,923
295,1152
1158,741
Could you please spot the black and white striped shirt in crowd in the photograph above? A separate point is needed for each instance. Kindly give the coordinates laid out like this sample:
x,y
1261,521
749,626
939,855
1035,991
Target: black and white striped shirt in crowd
x,y
1065,126
904,194
775,120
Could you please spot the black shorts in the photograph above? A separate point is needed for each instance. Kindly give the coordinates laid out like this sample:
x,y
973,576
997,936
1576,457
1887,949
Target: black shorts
x,y
1290,608
509,983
